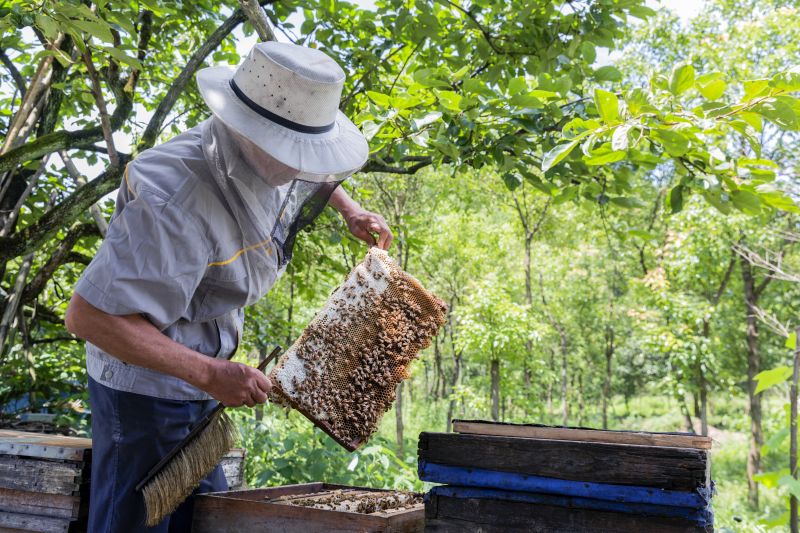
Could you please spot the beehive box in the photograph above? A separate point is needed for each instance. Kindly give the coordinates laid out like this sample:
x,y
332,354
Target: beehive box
x,y
44,482
294,509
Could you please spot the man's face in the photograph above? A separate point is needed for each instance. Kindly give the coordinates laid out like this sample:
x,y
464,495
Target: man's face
x,y
267,167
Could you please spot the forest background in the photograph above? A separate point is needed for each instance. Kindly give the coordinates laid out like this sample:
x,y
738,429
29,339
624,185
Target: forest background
x,y
603,192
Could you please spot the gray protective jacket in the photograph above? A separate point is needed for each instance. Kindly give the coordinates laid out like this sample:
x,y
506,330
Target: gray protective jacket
x,y
174,254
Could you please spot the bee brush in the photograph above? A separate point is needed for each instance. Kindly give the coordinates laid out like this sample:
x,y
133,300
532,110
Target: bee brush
x,y
174,478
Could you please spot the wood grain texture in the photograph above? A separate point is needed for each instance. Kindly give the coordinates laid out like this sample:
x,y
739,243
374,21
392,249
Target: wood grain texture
x,y
26,444
250,511
449,515
680,469
33,475
534,431
52,505
28,522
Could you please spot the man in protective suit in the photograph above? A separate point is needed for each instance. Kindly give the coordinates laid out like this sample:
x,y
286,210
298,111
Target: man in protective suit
x,y
204,224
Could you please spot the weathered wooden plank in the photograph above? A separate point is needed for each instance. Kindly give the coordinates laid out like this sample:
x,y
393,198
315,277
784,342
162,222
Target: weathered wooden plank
x,y
29,522
53,505
34,475
648,466
449,515
251,511
700,516
44,446
536,431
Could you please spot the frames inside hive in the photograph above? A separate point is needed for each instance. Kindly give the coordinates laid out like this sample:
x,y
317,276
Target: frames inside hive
x,y
343,370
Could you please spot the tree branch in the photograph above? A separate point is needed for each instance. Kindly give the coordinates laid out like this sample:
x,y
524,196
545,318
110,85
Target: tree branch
x,y
34,236
63,254
14,73
150,134
376,166
257,17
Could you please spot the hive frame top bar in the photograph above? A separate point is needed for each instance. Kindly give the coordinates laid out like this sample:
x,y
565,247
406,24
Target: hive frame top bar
x,y
535,431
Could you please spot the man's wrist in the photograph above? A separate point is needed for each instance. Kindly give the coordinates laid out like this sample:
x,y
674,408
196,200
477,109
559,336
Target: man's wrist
x,y
201,373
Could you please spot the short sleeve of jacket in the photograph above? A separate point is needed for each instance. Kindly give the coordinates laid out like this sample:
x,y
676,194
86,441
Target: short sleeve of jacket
x,y
151,262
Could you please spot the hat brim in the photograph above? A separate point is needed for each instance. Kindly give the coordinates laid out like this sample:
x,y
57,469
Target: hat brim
x,y
340,151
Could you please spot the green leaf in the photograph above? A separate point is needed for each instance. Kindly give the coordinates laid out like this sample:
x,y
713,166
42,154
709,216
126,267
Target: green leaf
x,y
619,139
450,100
770,378
681,79
48,26
676,144
792,484
588,51
636,99
557,154
604,155
675,199
625,201
645,235
380,99
122,57
786,81
100,30
713,89
512,180
746,201
607,105
754,88
608,73
781,111
641,12
770,479
517,85
775,441
427,119
791,341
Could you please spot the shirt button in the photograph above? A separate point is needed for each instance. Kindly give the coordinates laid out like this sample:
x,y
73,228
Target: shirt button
x,y
108,373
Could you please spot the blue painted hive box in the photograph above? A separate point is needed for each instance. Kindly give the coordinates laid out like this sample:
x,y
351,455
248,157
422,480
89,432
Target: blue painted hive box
x,y
509,477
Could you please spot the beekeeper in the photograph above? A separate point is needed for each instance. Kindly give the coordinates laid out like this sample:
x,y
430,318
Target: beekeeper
x,y
204,224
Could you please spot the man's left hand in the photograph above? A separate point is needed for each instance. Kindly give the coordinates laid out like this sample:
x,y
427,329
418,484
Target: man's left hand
x,y
365,225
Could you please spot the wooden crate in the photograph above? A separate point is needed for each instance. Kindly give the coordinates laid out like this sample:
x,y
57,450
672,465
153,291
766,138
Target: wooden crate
x,y
253,511
446,514
680,469
44,482
539,431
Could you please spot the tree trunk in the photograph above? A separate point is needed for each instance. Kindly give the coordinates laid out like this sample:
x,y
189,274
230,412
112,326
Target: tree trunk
x,y
607,382
564,390
753,368
793,431
550,383
580,397
398,417
495,371
451,406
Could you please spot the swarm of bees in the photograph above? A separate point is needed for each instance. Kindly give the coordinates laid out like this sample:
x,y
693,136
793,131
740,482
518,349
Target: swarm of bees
x,y
344,369
355,501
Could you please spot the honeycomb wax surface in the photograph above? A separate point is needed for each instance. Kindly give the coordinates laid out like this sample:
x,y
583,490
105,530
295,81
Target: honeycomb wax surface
x,y
343,370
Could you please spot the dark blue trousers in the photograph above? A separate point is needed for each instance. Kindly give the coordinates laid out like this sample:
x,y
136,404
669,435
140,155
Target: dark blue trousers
x,y
130,434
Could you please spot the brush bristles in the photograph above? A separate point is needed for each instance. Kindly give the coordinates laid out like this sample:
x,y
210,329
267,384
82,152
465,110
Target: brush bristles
x,y
176,481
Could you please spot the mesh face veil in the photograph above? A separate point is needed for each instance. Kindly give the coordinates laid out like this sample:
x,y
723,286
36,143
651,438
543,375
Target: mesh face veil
x,y
269,205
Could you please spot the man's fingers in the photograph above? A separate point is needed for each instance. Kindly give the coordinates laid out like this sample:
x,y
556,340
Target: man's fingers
x,y
264,383
259,396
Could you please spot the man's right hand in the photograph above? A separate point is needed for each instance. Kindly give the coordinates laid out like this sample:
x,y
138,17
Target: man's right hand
x,y
237,384
133,339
